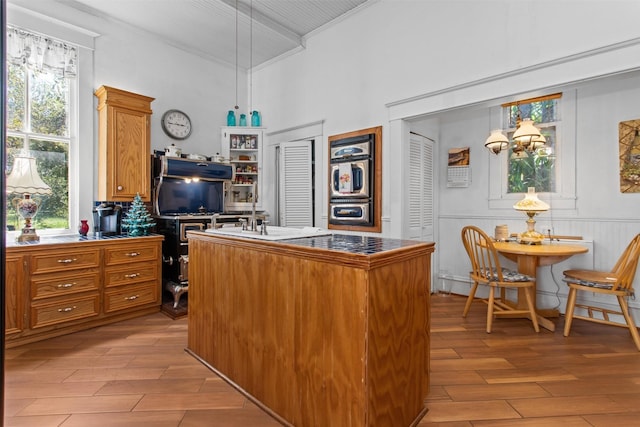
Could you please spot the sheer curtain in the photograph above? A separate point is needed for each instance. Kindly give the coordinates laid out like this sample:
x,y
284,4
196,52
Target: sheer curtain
x,y
41,53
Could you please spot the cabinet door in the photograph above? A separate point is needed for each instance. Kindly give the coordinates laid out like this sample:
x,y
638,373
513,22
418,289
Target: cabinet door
x,y
130,158
243,148
14,294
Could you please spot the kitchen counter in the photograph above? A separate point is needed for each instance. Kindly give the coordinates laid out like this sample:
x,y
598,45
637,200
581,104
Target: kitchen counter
x,y
70,238
330,330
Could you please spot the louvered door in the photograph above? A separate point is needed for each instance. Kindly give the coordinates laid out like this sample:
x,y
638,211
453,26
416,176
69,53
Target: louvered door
x,y
295,180
420,188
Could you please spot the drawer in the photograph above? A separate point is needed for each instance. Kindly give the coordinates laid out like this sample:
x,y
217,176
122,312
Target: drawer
x,y
124,253
61,260
131,273
131,296
65,310
58,284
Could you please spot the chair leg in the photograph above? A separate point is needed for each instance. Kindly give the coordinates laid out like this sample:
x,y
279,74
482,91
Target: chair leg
x,y
532,310
490,308
472,295
630,322
571,306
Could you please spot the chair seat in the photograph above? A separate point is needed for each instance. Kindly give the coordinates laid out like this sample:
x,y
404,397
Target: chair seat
x,y
507,276
591,278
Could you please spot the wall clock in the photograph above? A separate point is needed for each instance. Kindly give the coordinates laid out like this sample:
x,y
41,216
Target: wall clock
x,y
176,124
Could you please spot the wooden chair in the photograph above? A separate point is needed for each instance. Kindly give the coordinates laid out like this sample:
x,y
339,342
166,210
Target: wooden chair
x,y
618,282
486,270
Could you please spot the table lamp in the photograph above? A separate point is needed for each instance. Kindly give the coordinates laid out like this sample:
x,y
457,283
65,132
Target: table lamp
x,y
531,205
24,179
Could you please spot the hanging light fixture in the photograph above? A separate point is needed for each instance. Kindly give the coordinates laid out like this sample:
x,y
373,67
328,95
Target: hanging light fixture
x,y
526,138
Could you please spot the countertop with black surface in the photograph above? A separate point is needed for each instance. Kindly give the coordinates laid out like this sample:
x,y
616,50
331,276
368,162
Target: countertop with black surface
x,y
72,238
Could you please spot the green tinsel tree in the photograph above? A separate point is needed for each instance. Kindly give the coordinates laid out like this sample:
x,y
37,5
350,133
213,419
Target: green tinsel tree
x,y
137,221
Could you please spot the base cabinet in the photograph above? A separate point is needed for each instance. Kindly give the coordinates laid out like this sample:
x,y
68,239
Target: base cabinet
x,y
14,294
79,285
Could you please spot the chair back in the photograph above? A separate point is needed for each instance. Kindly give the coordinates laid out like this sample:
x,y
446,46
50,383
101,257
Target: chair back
x,y
625,268
485,263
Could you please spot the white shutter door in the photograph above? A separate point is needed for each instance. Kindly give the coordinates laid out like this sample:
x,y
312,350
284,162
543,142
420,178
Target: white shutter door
x,y
295,204
420,188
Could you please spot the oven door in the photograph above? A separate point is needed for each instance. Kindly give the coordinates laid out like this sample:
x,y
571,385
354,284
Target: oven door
x,y
186,226
350,214
359,180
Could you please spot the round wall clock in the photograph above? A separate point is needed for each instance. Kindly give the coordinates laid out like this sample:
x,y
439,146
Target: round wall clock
x,y
176,124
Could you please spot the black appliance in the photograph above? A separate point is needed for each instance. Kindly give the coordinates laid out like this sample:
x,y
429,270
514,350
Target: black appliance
x,y
351,180
186,194
107,219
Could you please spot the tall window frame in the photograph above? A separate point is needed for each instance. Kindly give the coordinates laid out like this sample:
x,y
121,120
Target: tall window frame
x,y
82,162
563,197
41,123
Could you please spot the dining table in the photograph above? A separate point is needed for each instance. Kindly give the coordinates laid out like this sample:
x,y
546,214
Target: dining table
x,y
529,258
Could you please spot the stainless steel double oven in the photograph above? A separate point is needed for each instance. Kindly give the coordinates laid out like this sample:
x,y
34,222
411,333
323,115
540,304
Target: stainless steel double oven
x,y
351,183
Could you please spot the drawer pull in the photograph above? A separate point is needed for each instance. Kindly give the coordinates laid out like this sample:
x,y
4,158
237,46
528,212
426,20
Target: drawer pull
x,y
132,254
132,275
131,298
67,261
65,285
66,309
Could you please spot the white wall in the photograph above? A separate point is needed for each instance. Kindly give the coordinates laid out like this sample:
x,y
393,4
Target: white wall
x,y
131,60
410,59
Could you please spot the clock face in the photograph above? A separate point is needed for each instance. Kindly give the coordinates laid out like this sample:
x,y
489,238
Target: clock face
x,y
176,124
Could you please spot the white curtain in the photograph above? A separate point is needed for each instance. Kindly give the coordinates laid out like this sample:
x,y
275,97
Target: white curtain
x,y
41,53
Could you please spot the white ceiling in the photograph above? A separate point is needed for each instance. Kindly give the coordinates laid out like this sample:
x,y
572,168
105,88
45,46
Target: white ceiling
x,y
265,29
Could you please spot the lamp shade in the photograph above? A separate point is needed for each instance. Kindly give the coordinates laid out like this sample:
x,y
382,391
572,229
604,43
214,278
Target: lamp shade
x,y
497,142
24,177
526,133
531,203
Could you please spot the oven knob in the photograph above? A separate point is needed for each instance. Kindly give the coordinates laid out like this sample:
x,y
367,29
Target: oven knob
x,y
168,260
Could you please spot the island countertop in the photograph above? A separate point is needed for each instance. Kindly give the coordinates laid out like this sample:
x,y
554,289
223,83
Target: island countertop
x,y
318,331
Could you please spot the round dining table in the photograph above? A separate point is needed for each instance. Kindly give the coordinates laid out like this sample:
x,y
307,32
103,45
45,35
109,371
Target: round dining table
x,y
529,258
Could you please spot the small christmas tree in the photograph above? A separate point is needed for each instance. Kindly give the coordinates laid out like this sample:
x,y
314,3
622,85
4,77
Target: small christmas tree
x,y
137,221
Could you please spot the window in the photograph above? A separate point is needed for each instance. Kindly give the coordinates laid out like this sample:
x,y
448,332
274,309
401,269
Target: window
x,y
533,169
551,172
41,82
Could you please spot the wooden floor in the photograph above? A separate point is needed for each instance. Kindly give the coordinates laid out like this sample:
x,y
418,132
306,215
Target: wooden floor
x,y
136,373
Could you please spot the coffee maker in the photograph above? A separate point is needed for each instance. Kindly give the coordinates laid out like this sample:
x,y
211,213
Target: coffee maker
x,y
107,219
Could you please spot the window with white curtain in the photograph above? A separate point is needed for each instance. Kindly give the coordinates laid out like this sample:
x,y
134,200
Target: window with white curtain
x,y
41,83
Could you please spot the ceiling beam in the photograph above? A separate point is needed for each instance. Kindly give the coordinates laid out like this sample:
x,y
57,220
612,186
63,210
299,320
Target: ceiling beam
x,y
261,18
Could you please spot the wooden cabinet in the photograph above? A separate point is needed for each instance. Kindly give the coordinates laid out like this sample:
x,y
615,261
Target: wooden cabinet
x,y
124,144
243,147
64,286
79,284
131,276
14,294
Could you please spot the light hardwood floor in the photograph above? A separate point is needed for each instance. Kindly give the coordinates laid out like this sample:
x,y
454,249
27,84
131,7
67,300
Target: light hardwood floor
x,y
136,373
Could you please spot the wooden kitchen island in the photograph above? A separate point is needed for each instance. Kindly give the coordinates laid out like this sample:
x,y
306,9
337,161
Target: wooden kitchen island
x,y
320,331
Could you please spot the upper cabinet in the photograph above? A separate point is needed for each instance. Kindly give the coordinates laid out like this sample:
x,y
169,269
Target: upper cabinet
x,y
124,145
243,148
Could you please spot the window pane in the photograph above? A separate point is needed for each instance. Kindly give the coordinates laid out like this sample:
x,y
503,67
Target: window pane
x,y
49,105
13,146
533,169
53,166
15,97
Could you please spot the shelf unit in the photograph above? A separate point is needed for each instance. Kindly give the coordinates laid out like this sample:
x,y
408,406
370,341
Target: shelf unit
x,y
242,146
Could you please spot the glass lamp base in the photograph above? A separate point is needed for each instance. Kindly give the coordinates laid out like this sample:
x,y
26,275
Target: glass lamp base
x,y
28,235
530,238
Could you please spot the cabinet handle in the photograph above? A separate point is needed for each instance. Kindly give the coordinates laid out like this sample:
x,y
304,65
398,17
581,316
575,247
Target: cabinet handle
x,y
119,188
131,298
67,261
66,309
131,276
132,254
65,285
